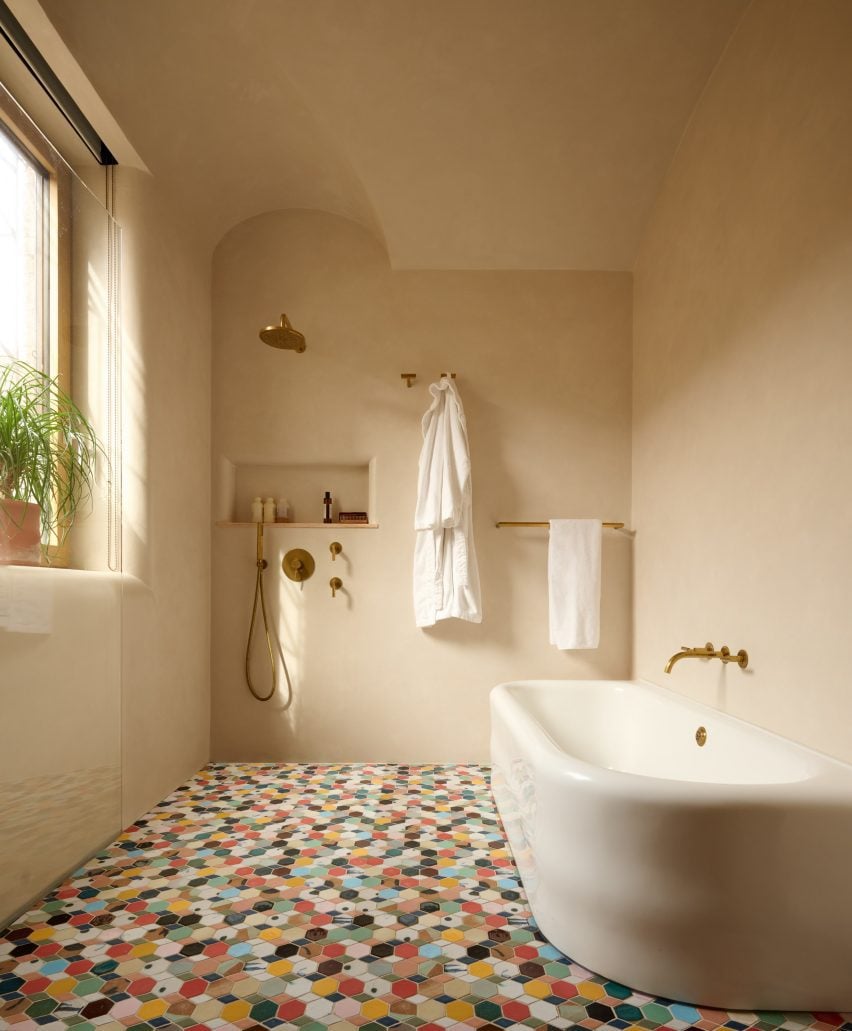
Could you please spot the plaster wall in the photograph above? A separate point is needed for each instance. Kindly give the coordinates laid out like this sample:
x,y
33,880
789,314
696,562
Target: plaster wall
x,y
543,364
742,371
166,496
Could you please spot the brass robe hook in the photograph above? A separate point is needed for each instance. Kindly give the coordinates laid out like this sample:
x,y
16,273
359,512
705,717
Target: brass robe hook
x,y
410,377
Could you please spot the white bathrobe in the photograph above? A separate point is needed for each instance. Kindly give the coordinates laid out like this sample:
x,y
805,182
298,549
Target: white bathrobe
x,y
446,577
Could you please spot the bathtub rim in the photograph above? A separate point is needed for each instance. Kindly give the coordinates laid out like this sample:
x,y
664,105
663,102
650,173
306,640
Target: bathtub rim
x,y
829,781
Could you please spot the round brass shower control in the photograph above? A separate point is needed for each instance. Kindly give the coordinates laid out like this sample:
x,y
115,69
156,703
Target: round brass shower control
x,y
701,737
298,565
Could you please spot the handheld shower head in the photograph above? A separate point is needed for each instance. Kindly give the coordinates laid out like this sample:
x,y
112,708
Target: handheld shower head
x,y
283,336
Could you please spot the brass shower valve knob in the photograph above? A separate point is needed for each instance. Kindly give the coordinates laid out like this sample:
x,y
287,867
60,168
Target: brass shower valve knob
x,y
335,583
298,565
335,548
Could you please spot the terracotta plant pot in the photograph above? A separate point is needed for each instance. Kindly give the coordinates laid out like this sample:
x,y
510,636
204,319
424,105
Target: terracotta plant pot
x,y
20,533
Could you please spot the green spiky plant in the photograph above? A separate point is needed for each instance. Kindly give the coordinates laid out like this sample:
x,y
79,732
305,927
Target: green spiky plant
x,y
48,449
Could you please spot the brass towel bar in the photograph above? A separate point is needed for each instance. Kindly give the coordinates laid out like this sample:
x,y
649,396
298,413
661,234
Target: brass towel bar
x,y
609,526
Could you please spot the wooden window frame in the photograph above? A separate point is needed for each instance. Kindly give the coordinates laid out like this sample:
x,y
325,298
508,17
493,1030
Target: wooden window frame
x,y
58,326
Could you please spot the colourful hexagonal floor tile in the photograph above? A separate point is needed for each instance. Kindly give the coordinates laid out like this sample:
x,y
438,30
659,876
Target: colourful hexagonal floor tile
x,y
314,897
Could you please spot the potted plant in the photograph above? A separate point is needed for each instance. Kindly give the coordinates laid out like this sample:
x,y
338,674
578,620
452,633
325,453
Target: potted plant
x,y
48,451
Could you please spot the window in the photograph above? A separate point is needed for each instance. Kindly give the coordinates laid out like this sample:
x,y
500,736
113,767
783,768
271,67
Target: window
x,y
24,252
34,252
35,203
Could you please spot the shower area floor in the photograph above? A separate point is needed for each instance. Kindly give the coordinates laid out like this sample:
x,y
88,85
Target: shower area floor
x,y
314,897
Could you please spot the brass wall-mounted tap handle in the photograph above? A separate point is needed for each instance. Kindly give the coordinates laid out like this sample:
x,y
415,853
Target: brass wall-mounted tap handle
x,y
741,658
335,583
708,651
335,548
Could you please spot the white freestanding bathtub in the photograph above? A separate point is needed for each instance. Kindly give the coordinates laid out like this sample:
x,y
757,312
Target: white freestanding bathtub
x,y
718,875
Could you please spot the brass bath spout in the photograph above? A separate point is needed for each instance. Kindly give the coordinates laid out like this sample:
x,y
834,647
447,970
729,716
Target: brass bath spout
x,y
709,652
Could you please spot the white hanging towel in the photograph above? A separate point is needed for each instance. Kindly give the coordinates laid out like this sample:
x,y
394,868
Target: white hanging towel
x,y
574,582
446,577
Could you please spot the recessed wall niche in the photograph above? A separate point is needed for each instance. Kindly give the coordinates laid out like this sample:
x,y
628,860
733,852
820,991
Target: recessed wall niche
x,y
352,487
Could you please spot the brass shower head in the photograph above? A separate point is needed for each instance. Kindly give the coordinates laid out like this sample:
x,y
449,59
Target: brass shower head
x,y
283,336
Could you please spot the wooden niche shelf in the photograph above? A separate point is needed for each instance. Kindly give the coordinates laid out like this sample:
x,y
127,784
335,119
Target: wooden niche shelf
x,y
223,524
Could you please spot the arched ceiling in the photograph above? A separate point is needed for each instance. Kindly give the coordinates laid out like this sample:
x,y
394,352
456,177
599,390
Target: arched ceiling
x,y
467,133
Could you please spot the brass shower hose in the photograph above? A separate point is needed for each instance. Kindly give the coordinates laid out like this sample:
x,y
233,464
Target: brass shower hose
x,y
258,593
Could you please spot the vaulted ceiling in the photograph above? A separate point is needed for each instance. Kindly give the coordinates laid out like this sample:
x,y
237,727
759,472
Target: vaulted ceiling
x,y
466,133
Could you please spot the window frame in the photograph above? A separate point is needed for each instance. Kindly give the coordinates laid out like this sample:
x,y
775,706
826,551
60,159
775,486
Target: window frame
x,y
58,264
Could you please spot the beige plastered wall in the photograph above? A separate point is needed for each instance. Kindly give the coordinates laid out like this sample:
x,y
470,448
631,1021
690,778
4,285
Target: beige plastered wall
x,y
166,496
106,709
543,364
743,366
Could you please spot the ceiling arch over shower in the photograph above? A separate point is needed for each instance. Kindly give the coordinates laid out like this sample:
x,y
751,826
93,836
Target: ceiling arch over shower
x,y
484,134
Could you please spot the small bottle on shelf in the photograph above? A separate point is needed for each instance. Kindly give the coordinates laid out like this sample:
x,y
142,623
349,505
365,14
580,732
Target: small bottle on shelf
x,y
257,511
269,510
326,501
282,512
